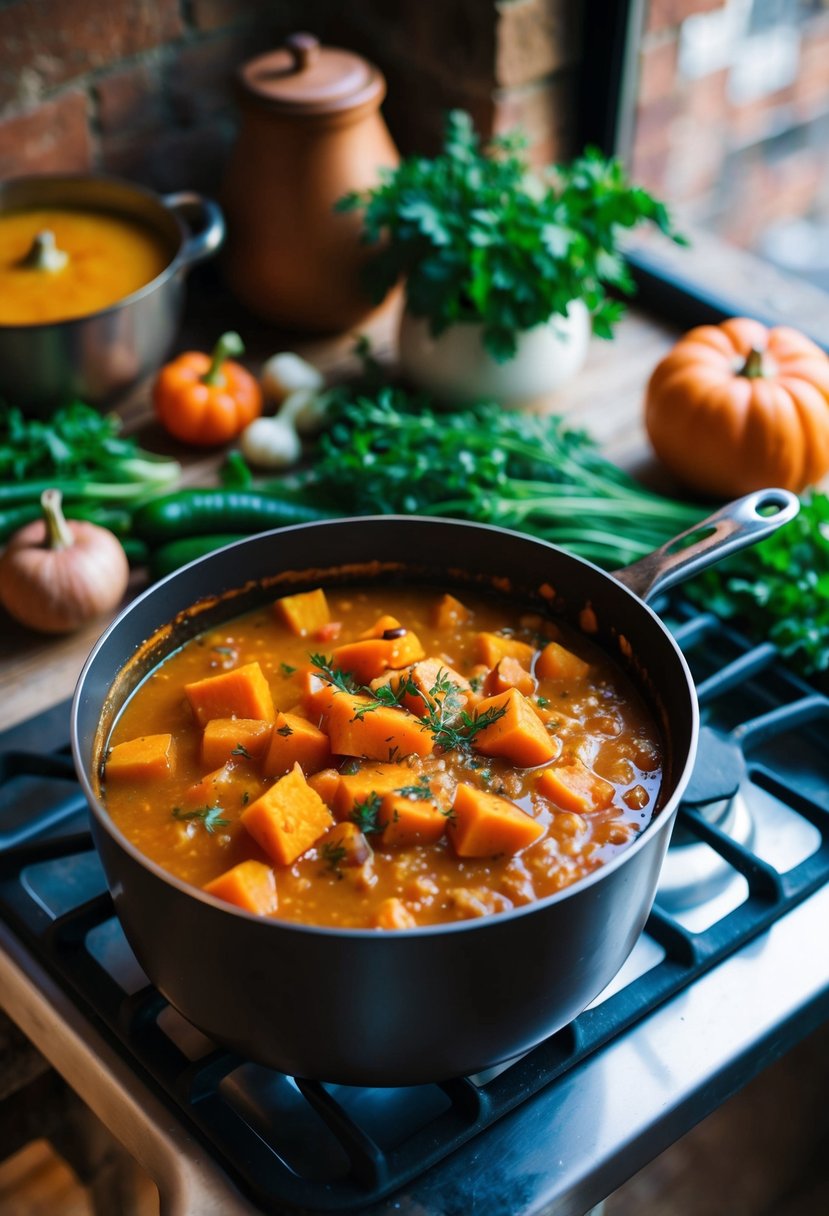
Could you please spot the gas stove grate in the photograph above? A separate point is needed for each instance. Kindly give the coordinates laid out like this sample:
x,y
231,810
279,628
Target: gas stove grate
x,y
294,1144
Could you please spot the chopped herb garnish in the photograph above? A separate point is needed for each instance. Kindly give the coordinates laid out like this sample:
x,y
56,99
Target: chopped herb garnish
x,y
245,798
543,702
287,669
421,790
285,730
334,675
211,817
365,815
463,731
476,683
228,650
333,855
241,750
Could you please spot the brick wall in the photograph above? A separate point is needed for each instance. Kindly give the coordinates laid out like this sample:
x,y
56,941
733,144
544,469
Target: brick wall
x,y
734,133
143,88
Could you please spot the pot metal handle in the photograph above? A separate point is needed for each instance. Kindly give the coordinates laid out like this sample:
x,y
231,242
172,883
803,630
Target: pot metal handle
x,y
204,220
733,527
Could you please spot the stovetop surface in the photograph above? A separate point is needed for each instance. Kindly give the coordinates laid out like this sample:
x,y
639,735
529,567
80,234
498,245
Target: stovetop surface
x,y
290,1145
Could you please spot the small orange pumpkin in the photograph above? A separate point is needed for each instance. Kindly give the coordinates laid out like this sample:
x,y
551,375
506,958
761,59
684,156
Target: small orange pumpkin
x,y
738,407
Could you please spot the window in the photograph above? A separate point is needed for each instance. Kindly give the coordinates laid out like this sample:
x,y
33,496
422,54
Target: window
x,y
721,107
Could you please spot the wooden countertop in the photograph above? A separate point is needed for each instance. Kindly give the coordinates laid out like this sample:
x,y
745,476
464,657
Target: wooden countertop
x,y
605,398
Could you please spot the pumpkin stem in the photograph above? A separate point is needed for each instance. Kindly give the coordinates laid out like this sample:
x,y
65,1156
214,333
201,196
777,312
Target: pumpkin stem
x,y
229,345
753,368
58,533
44,254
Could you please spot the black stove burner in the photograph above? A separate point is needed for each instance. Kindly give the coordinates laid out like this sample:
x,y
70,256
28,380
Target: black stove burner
x,y
293,1145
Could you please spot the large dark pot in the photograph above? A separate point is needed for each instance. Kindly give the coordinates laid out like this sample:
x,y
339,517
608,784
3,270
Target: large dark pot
x,y
396,1008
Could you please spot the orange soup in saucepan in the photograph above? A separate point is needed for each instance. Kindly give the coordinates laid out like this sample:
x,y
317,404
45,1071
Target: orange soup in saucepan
x,y
383,757
107,258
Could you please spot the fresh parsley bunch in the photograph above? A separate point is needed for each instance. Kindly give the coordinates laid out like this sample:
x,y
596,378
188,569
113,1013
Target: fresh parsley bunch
x,y
779,589
478,237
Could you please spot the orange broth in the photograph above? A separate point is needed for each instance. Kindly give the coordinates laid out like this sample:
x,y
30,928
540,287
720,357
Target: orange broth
x,y
109,257
594,789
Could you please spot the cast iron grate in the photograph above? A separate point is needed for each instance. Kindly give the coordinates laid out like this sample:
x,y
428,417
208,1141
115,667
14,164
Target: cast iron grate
x,y
293,1144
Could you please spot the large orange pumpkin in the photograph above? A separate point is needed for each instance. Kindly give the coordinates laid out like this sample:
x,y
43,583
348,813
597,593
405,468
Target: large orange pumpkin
x,y
738,407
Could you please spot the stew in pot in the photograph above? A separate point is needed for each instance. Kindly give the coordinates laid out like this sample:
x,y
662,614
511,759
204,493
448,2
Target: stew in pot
x,y
383,758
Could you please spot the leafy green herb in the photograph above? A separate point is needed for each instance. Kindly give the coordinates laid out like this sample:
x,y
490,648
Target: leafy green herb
x,y
287,669
334,675
241,750
779,589
81,452
333,855
461,732
245,798
418,792
542,702
285,730
392,453
365,814
476,236
211,817
476,683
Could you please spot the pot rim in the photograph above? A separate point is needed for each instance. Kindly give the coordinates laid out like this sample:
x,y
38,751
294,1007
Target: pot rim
x,y
151,197
661,821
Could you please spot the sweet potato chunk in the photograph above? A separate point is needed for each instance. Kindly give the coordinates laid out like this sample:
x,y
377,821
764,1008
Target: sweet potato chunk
x,y
428,684
304,613
226,737
485,825
574,787
144,759
557,663
376,651
450,612
325,783
288,818
408,821
361,726
492,647
295,740
250,885
518,734
317,695
371,779
241,693
392,913
509,673
213,789
345,845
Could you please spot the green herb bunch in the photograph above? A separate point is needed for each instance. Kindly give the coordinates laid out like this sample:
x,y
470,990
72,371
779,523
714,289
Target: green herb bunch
x,y
478,237
779,588
102,474
391,453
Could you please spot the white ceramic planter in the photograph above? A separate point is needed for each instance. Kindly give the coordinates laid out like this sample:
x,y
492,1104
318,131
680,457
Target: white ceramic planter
x,y
456,367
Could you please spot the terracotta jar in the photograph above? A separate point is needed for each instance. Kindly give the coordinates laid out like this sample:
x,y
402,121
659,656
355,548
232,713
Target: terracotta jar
x,y
311,130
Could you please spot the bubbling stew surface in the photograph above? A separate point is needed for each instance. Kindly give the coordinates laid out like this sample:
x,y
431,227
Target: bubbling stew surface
x,y
383,757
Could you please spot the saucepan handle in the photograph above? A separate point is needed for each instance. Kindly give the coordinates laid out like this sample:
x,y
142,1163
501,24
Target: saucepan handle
x,y
204,221
736,525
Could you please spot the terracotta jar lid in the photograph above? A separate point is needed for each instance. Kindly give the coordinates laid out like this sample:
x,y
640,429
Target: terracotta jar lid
x,y
303,77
